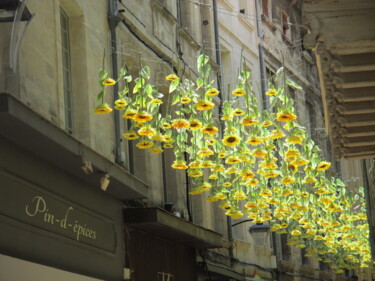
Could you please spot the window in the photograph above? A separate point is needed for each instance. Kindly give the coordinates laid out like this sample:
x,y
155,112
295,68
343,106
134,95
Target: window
x,y
244,7
285,25
305,260
67,71
266,8
311,118
324,266
285,248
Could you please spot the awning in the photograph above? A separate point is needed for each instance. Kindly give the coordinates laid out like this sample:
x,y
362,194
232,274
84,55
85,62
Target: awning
x,y
218,272
163,224
31,131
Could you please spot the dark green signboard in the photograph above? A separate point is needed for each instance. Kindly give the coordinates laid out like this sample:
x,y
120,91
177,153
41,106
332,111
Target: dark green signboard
x,y
38,208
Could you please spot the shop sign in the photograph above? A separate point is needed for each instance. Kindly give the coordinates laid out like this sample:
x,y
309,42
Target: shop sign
x,y
50,213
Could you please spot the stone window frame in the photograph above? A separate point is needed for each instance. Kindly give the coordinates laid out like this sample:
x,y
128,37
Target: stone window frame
x,y
66,71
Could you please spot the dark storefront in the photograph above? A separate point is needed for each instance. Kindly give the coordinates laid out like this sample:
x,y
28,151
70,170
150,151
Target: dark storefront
x,y
51,212
162,247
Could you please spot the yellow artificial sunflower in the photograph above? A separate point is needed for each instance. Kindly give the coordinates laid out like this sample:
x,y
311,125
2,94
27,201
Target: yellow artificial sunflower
x,y
238,92
265,193
247,174
249,121
205,186
121,103
231,170
286,192
311,231
218,168
271,92
131,135
277,134
142,117
222,154
204,105
225,206
109,82
271,173
305,194
195,173
129,114
220,196
231,140
146,131
252,182
292,168
292,152
156,150
210,141
299,161
285,116
227,184
144,144
156,101
172,77
212,198
268,164
117,107
239,195
295,232
267,124
213,177
180,123
233,160
167,139
204,152
179,164
324,165
157,137
235,214
238,112
250,205
103,108
254,140
196,191
166,125
226,117
259,152
195,164
195,124
212,92
273,201
209,129
168,145
288,179
208,164
295,139
185,100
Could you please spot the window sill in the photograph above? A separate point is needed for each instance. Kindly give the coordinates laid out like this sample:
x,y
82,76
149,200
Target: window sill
x,y
269,22
288,40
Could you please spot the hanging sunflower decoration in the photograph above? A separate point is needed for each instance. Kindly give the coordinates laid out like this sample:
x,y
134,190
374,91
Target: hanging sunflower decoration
x,y
258,164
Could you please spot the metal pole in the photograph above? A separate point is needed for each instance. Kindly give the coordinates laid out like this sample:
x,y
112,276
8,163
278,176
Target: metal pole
x,y
113,21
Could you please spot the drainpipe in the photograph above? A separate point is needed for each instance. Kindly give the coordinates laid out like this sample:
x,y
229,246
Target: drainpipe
x,y
113,21
263,84
262,66
219,86
218,54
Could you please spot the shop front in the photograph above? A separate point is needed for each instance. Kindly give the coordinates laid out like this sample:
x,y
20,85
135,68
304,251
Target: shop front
x,y
52,214
163,247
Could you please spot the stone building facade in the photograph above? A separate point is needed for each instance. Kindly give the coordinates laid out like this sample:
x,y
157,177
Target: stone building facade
x,y
48,86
